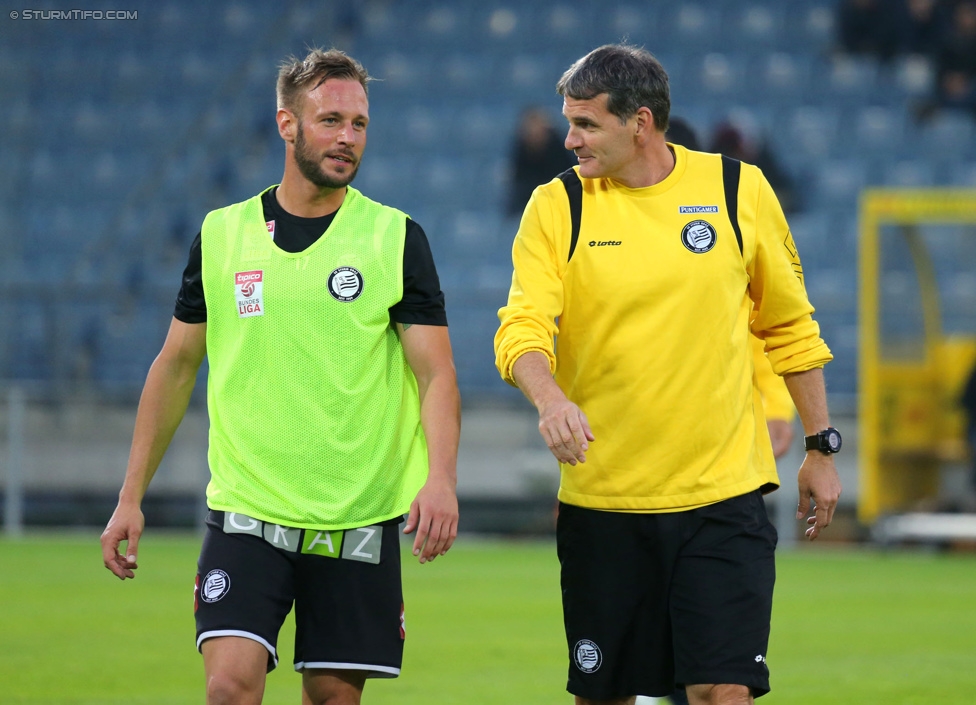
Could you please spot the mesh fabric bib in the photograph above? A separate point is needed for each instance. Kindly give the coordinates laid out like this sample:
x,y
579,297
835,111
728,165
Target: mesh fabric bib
x,y
314,413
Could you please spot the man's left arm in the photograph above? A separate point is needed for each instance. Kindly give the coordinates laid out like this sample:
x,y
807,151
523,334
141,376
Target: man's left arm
x,y
817,479
434,512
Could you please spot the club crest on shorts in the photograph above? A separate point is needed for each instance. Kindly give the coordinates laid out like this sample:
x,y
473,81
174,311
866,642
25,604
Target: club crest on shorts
x,y
215,585
587,656
698,236
346,284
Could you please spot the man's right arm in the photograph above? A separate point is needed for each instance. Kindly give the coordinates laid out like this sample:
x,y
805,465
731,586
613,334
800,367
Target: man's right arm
x,y
562,424
162,405
524,352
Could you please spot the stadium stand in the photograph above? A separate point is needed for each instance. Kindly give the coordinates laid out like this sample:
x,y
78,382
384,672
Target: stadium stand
x,y
119,136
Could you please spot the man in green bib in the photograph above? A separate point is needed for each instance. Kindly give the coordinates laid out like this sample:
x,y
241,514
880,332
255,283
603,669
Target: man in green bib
x,y
333,404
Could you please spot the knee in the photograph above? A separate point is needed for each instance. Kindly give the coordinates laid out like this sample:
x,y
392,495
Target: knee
x,y
332,687
227,689
334,698
723,694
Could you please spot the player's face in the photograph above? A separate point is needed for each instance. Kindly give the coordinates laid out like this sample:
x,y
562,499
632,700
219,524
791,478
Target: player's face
x,y
331,133
603,145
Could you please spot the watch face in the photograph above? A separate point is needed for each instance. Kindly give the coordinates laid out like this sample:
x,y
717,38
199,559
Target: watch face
x,y
833,440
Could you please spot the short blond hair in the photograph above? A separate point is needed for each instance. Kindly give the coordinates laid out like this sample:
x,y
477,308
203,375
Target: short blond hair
x,y
298,76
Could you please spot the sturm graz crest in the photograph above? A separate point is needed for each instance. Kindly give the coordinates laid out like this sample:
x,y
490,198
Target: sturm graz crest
x,y
587,656
345,284
215,585
698,236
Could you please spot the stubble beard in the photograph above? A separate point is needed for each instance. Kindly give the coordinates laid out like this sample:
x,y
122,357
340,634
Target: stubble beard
x,y
311,167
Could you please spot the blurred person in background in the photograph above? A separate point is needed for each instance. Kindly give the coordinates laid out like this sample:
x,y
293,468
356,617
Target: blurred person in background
x,y
636,261
954,58
740,139
869,27
538,155
924,27
956,61
680,131
968,402
333,408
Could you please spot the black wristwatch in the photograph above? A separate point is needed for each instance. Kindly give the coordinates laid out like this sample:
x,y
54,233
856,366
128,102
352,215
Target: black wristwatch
x,y
827,441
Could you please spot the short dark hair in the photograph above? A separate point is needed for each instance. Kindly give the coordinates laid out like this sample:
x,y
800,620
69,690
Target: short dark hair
x,y
297,76
630,76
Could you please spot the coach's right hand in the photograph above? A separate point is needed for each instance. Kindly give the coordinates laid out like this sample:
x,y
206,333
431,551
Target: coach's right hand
x,y
126,524
563,425
565,429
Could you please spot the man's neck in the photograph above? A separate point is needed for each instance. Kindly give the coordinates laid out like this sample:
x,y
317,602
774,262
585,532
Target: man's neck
x,y
300,197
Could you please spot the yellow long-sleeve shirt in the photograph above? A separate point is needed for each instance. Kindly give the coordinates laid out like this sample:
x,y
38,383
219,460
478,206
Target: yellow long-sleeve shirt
x,y
776,400
652,315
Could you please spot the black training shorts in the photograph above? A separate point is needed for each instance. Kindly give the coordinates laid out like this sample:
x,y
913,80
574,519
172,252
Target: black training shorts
x,y
345,586
651,601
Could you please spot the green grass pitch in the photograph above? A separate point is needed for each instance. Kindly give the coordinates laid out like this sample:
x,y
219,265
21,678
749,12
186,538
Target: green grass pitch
x,y
483,626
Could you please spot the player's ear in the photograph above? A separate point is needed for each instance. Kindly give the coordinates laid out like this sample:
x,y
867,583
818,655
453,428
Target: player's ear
x,y
287,124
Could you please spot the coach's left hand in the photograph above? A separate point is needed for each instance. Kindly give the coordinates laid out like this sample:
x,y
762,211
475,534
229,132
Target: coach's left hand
x,y
819,485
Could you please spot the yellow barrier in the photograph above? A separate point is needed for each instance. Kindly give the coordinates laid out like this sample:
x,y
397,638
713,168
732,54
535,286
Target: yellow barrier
x,y
910,422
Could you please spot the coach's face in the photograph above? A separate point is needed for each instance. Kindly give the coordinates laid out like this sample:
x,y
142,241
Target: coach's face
x,y
604,146
330,133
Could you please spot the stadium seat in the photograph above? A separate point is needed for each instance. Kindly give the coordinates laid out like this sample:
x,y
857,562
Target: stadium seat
x,y
963,175
852,80
638,22
914,75
951,134
754,25
841,180
879,128
909,173
813,131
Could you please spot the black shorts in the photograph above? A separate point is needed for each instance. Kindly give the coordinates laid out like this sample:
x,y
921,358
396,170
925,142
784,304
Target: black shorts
x,y
345,586
651,601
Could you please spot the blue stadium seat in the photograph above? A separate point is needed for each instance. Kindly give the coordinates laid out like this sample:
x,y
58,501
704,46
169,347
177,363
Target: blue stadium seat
x,y
718,73
638,21
841,180
779,73
963,175
810,24
754,25
812,131
851,81
909,174
949,134
878,128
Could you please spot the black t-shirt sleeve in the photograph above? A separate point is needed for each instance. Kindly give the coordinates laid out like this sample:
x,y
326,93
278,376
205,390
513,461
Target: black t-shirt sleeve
x,y
191,307
423,300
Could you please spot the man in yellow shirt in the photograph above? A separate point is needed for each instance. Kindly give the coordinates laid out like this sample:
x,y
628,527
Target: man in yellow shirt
x,y
647,400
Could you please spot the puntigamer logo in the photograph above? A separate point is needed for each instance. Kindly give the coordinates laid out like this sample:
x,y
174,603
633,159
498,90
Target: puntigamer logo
x,y
684,210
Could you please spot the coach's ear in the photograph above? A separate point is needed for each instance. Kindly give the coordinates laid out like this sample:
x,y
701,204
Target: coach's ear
x,y
287,124
643,125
